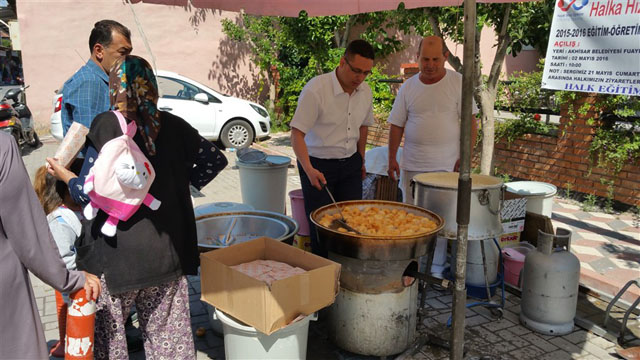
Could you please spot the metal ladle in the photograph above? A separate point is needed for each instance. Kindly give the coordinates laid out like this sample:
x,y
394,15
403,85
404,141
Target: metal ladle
x,y
342,221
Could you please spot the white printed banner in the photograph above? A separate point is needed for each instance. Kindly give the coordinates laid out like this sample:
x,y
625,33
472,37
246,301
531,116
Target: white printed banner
x,y
594,46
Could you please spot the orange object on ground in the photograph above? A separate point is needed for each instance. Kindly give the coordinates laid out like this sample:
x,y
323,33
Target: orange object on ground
x,y
80,326
57,350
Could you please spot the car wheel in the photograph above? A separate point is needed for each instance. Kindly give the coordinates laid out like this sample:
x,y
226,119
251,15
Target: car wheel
x,y
237,134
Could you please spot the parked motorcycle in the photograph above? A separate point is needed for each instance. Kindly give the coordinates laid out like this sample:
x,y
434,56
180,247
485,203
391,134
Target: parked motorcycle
x,y
16,118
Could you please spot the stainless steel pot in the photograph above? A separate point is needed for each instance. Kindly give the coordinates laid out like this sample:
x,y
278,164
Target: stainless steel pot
x,y
438,192
218,223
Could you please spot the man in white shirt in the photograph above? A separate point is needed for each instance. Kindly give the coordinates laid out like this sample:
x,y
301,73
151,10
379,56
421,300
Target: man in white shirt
x,y
329,132
427,111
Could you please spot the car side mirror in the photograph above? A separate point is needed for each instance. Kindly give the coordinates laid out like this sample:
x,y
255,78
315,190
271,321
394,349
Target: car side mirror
x,y
201,97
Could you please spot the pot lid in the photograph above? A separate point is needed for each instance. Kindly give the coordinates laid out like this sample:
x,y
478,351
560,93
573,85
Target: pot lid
x,y
278,160
218,207
531,188
449,180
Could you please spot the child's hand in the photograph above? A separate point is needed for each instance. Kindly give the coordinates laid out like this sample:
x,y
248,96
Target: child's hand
x,y
91,286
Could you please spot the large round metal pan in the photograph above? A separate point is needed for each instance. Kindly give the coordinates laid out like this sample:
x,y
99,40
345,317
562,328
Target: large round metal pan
x,y
368,247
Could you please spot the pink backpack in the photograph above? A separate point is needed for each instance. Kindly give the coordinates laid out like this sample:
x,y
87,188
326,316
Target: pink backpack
x,y
119,181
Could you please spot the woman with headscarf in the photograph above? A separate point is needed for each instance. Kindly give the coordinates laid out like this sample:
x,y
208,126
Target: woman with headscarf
x,y
147,261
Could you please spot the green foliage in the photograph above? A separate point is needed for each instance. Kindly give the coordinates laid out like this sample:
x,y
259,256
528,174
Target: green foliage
x,y
589,202
567,191
503,176
6,43
523,91
616,141
526,123
608,202
614,144
302,47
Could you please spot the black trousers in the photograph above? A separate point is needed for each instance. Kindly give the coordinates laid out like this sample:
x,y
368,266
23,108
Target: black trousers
x,y
344,179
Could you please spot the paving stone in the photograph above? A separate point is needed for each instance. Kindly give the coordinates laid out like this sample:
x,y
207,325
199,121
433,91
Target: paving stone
x,y
596,350
476,320
539,342
556,355
566,345
529,352
436,304
498,325
446,299
52,334
487,335
51,325
49,318
601,342
519,330
511,316
576,337
50,308
442,318
40,303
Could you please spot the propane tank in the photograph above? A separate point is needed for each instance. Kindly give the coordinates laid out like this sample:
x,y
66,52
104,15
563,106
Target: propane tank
x,y
550,285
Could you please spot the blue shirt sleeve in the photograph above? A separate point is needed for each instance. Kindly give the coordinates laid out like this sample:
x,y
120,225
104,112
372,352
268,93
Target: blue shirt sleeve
x,y
76,185
83,101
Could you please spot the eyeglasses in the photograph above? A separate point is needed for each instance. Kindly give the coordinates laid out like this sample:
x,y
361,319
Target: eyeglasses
x,y
357,71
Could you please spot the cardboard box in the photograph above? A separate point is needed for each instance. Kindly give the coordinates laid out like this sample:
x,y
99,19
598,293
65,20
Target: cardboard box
x,y
514,210
253,302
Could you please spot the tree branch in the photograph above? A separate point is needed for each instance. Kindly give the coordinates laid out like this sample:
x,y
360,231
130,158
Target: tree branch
x,y
454,61
503,43
347,30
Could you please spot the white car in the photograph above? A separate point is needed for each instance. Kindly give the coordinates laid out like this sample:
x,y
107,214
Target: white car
x,y
233,121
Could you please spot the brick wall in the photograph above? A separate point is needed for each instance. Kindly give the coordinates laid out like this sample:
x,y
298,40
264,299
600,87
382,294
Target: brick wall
x,y
565,158
557,159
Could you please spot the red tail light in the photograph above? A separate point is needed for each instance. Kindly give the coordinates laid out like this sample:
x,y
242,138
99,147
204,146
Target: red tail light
x,y
6,123
5,106
58,105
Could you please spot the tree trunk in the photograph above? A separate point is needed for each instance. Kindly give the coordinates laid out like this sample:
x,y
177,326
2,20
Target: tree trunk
x,y
486,95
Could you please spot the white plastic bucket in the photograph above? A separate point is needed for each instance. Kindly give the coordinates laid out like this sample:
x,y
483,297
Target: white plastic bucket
x,y
245,342
263,185
539,195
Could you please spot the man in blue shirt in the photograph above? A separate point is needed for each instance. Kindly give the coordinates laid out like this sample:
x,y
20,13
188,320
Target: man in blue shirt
x,y
86,93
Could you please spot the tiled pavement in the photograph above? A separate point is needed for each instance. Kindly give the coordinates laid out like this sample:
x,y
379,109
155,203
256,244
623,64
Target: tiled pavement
x,y
608,248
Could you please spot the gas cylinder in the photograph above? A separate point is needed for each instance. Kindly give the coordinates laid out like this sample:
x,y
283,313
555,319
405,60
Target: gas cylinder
x,y
550,285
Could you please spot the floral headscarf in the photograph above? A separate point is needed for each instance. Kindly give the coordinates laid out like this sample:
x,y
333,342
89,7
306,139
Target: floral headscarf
x,y
133,91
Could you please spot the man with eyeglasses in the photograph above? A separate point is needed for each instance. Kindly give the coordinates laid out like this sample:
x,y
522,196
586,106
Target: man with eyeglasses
x,y
329,132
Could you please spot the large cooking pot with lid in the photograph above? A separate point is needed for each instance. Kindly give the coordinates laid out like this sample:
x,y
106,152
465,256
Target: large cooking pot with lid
x,y
369,247
438,192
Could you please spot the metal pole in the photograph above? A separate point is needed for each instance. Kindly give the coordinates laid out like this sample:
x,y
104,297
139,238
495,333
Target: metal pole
x,y
464,182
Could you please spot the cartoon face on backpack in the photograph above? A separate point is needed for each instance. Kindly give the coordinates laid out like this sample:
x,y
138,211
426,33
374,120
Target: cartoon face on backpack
x,y
119,181
132,174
